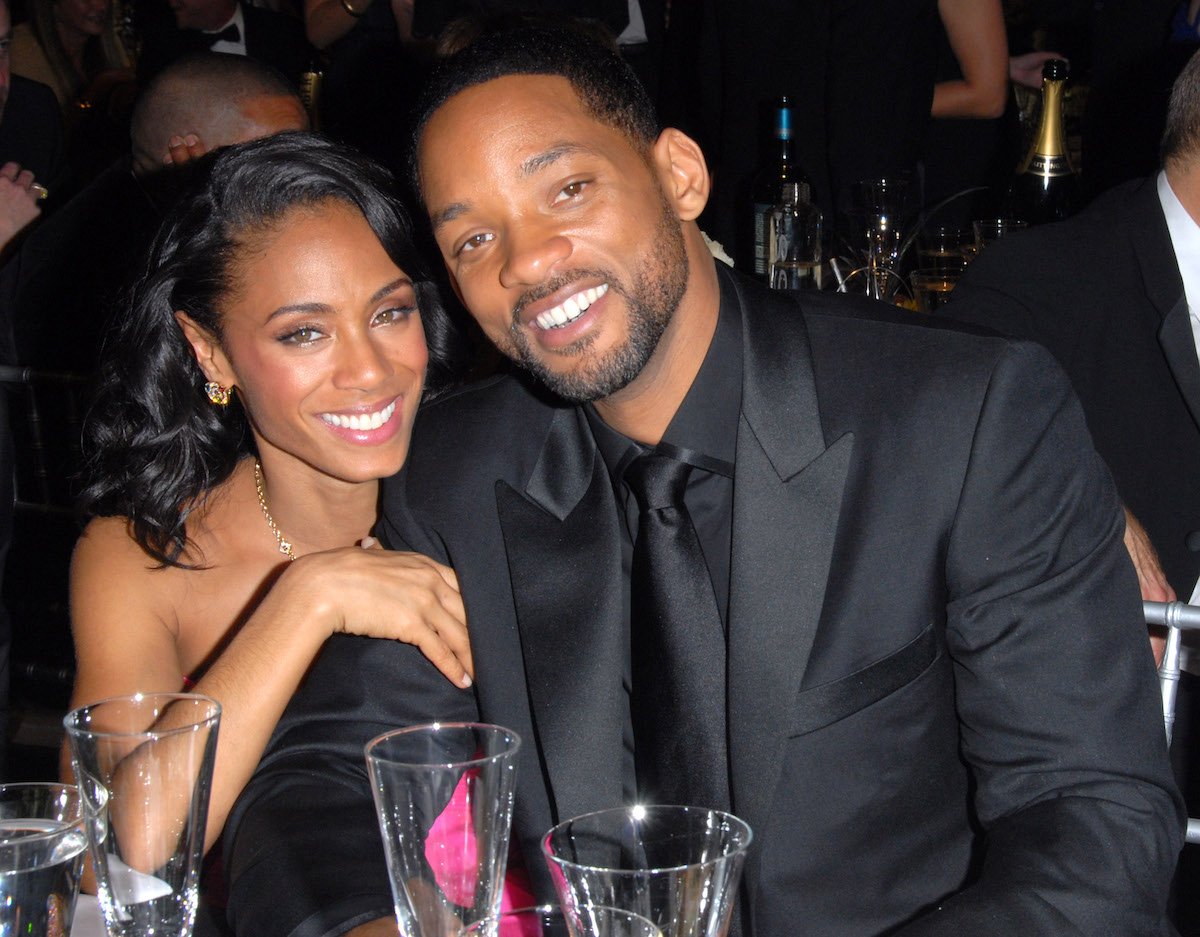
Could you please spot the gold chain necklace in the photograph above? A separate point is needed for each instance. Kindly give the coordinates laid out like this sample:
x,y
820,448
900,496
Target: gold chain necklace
x,y
285,545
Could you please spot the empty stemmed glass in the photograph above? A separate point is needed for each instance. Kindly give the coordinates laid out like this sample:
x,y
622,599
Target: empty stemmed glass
x,y
882,204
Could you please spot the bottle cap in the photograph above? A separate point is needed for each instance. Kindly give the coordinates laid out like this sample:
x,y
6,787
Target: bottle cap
x,y
1056,70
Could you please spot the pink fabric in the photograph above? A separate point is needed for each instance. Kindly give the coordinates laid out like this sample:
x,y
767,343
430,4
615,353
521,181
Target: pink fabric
x,y
451,851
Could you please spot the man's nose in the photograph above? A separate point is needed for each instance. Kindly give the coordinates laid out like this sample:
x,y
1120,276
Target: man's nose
x,y
532,255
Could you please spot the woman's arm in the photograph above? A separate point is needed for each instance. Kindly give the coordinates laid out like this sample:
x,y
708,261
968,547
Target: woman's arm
x,y
123,648
975,29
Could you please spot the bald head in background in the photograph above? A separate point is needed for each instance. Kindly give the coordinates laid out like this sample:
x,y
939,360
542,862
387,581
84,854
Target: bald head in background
x,y
219,99
198,104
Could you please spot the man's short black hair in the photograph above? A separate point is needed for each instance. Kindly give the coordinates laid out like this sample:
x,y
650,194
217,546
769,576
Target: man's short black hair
x,y
607,86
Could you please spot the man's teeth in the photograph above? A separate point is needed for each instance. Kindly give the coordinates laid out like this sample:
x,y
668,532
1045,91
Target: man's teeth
x,y
571,309
361,421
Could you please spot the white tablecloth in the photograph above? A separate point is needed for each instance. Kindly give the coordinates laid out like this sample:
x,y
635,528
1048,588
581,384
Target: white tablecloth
x,y
87,918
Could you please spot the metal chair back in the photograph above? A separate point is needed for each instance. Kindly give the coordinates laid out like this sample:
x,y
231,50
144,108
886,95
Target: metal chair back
x,y
1177,617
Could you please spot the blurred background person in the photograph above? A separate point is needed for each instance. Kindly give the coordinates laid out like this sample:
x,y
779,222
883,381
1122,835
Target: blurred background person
x,y
30,126
235,28
73,47
64,283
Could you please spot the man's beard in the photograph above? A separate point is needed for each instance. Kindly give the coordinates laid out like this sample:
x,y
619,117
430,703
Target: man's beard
x,y
651,297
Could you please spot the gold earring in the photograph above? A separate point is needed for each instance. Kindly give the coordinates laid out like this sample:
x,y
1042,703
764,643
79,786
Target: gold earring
x,y
217,394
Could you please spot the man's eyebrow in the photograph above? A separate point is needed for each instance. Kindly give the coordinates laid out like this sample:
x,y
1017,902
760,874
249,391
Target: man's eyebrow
x,y
541,160
447,214
530,166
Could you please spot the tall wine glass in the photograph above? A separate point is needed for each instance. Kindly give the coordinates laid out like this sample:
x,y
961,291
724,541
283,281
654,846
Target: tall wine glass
x,y
444,796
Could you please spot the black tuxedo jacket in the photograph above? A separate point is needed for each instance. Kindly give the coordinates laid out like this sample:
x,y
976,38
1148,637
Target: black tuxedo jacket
x,y
1102,292
940,694
273,39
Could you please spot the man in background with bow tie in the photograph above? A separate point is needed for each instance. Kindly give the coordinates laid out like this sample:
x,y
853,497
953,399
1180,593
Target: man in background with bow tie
x,y
858,579
228,26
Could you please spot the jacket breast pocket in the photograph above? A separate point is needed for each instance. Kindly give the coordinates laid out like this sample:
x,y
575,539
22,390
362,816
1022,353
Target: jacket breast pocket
x,y
821,706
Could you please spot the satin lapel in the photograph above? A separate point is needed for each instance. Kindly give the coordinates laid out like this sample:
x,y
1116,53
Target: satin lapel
x,y
787,500
1151,244
560,536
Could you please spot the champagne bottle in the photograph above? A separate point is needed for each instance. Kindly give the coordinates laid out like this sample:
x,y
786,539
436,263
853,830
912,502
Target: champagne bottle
x,y
1046,187
794,241
770,185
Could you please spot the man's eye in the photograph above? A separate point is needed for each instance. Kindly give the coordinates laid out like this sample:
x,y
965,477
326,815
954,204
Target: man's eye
x,y
571,190
474,242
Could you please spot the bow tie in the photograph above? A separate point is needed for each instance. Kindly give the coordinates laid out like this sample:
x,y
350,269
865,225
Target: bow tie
x,y
229,34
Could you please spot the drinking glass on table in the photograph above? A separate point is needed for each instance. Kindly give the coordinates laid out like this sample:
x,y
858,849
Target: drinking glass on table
x,y
677,866
144,765
42,840
881,208
988,230
444,796
547,921
931,288
941,248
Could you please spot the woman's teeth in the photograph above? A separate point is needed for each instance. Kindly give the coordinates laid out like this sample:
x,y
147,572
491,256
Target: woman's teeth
x,y
361,421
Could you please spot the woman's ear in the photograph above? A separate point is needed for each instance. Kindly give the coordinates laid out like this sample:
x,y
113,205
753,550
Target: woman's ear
x,y
684,172
207,350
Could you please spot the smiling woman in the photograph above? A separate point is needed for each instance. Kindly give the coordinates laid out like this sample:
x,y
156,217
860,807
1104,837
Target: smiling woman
x,y
263,381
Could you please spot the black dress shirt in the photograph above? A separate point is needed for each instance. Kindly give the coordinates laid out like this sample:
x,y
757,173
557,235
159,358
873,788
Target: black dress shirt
x,y
703,433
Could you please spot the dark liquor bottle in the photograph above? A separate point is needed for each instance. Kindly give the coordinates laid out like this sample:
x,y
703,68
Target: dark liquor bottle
x,y
770,186
1046,187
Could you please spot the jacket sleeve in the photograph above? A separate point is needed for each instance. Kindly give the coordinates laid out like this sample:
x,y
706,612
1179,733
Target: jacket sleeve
x,y
1059,710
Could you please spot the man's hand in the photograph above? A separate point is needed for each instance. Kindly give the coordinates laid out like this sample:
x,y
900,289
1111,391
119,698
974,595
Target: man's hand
x,y
183,149
1151,579
19,196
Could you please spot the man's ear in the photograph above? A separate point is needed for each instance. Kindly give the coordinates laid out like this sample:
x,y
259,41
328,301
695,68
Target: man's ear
x,y
207,350
683,171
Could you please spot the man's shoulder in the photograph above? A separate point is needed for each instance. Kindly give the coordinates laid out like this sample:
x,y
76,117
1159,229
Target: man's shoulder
x,y
490,419
853,325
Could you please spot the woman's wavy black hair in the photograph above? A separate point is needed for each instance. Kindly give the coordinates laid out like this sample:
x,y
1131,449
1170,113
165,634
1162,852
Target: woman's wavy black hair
x,y
154,444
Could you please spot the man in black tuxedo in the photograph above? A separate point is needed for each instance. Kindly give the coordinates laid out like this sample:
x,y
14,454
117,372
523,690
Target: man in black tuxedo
x,y
228,26
921,667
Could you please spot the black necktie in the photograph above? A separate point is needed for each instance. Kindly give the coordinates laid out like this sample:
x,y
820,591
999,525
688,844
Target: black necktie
x,y
230,33
678,647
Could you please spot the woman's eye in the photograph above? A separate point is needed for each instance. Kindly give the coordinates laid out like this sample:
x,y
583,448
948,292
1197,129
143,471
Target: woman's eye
x,y
571,190
305,335
394,314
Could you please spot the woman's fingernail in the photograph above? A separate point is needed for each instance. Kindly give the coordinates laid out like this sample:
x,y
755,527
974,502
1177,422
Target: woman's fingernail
x,y
465,683
367,542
